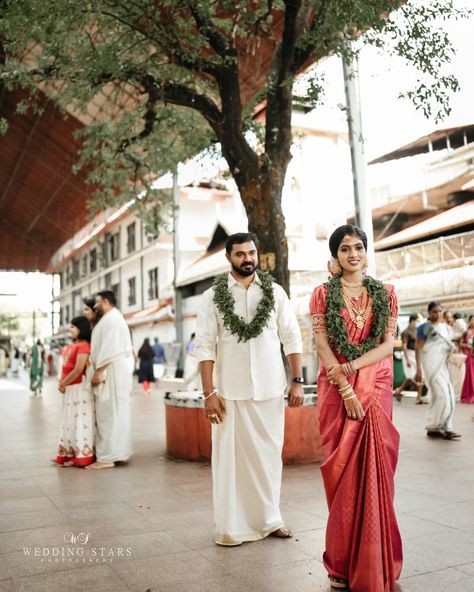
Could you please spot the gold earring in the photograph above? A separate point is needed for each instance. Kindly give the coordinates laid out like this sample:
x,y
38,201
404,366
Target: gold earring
x,y
335,266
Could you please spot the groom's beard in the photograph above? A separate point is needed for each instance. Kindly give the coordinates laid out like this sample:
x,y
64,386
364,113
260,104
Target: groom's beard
x,y
245,270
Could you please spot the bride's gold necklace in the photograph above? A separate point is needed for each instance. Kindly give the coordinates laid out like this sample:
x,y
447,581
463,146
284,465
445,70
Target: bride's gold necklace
x,y
357,301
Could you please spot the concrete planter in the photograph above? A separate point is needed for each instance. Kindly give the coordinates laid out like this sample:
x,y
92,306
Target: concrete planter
x,y
188,432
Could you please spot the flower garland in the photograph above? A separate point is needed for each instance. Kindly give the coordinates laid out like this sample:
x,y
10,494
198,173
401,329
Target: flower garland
x,y
337,330
225,303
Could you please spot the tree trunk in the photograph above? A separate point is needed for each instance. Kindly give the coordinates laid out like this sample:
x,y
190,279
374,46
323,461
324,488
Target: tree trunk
x,y
262,201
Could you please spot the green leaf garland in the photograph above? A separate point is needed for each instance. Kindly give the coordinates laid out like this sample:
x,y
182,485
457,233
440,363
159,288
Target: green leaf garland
x,y
225,303
337,330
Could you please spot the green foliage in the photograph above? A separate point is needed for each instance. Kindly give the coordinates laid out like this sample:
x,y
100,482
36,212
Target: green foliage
x,y
337,330
8,322
153,81
225,304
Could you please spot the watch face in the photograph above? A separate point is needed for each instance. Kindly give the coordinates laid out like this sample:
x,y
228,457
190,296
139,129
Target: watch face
x,y
298,379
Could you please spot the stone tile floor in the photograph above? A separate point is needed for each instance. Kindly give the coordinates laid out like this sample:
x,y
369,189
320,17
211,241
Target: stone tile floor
x,y
149,523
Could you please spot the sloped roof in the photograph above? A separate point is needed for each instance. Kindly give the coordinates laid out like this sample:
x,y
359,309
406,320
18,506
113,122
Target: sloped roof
x,y
437,140
447,221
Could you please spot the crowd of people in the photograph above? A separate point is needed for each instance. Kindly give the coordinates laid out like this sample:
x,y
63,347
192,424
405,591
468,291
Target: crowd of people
x,y
438,361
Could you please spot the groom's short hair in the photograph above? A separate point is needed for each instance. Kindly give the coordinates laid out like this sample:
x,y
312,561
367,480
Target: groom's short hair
x,y
238,238
108,295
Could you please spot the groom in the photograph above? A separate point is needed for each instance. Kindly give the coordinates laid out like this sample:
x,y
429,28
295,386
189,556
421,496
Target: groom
x,y
244,318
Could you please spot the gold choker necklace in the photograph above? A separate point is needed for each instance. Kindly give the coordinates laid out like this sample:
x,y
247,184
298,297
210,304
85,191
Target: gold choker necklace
x,y
351,284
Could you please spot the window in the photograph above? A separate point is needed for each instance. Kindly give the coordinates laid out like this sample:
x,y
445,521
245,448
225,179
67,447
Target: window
x,y
108,281
153,283
104,262
84,269
61,317
76,303
132,296
114,246
93,260
67,314
116,290
68,275
131,238
75,271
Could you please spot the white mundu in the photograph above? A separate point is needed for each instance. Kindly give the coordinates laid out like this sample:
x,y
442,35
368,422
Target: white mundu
x,y
251,379
111,346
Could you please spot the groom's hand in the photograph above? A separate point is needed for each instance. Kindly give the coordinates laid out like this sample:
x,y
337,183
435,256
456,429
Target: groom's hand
x,y
295,395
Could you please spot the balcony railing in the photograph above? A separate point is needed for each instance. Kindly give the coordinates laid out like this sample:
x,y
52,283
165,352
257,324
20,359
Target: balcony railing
x,y
434,255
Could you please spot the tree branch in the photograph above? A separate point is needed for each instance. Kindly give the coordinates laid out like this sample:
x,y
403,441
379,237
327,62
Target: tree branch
x,y
219,43
179,94
302,54
279,97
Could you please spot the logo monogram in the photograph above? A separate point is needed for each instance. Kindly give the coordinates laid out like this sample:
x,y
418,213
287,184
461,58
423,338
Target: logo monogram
x,y
73,539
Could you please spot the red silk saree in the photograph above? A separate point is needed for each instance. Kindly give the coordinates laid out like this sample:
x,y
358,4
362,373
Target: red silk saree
x,y
363,543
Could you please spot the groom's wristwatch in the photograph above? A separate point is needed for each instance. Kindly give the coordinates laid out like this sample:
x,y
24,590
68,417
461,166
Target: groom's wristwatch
x,y
298,379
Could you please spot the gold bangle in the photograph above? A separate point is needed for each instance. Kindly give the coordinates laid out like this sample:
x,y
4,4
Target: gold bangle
x,y
345,388
213,392
353,396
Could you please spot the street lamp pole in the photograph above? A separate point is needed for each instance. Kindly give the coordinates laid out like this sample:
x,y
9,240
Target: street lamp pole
x,y
363,211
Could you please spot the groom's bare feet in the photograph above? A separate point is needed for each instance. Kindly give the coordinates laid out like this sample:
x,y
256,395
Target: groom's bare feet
x,y
97,465
282,533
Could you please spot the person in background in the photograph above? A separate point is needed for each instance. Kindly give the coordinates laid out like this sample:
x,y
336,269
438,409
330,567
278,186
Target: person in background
x,y
467,394
37,369
409,361
90,312
159,360
76,435
3,362
449,320
456,359
191,364
112,360
16,362
145,371
459,327
433,346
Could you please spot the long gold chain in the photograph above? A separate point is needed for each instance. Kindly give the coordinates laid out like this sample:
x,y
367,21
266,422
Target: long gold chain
x,y
357,301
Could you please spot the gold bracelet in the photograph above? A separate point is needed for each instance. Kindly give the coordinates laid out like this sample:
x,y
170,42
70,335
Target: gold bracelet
x,y
346,387
351,397
213,392
348,368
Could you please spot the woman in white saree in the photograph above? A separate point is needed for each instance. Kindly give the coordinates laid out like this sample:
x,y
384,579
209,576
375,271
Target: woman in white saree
x,y
433,346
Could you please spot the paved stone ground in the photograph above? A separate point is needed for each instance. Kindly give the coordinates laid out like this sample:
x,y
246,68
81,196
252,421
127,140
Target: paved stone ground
x,y
158,512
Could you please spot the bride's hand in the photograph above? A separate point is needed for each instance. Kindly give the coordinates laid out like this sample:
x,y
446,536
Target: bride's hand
x,y
335,374
354,408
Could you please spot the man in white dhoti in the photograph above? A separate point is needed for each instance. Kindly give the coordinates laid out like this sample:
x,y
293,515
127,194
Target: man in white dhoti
x,y
112,359
244,318
433,346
